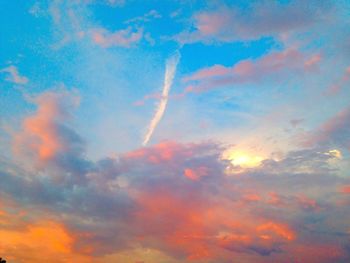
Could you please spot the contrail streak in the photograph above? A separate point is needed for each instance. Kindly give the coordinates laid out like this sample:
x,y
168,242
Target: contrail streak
x,y
170,70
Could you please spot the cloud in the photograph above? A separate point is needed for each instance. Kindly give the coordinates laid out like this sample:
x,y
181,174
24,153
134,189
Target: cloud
x,y
339,84
170,70
335,131
178,201
227,24
46,139
195,174
122,38
115,2
345,189
112,3
296,122
274,64
14,76
182,200
35,239
152,14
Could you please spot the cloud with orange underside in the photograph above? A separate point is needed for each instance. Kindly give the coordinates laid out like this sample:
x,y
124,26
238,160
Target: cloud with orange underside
x,y
195,226
26,239
173,198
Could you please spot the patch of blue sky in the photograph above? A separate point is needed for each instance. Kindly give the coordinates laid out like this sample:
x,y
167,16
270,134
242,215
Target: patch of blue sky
x,y
199,55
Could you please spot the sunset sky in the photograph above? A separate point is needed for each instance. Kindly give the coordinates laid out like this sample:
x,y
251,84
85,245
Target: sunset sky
x,y
175,131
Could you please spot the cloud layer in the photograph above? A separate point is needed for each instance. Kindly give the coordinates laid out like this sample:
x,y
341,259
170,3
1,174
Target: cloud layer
x,y
180,201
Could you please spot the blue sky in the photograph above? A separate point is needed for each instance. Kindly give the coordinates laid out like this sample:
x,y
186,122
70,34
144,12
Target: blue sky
x,y
108,105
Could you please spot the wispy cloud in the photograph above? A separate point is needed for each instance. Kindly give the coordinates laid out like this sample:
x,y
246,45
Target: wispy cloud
x,y
336,87
153,14
333,132
170,70
14,76
264,18
248,71
123,38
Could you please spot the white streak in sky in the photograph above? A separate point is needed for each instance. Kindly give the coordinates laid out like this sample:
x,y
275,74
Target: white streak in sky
x,y
170,70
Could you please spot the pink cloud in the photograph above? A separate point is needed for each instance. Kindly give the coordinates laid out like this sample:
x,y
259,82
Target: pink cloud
x,y
180,199
197,173
334,131
271,65
214,71
212,23
345,189
44,134
200,228
162,152
260,19
314,60
336,87
123,38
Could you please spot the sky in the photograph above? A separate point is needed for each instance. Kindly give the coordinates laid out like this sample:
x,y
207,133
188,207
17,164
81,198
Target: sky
x,y
175,131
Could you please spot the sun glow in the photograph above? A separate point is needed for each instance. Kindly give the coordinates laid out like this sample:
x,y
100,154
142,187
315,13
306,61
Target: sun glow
x,y
243,159
335,153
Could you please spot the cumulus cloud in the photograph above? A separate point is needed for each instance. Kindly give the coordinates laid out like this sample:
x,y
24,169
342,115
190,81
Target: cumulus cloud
x,y
45,137
14,76
181,200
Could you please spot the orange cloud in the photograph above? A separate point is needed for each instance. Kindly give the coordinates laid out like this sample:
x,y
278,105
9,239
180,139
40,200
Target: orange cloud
x,y
279,229
161,209
201,229
22,240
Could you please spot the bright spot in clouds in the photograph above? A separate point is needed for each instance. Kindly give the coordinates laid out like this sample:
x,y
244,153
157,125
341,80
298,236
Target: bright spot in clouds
x,y
244,159
335,153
